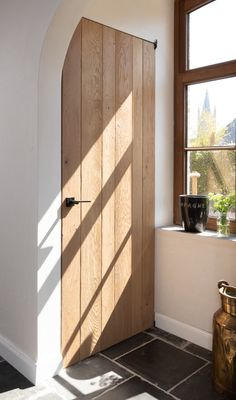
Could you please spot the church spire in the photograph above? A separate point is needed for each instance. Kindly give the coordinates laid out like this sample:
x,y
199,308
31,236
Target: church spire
x,y
206,105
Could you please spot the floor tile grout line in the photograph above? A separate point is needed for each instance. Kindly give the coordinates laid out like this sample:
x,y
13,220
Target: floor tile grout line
x,y
165,341
193,354
135,348
151,338
113,387
183,349
139,376
187,377
186,344
150,334
180,347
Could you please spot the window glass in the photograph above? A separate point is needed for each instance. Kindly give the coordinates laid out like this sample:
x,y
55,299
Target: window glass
x,y
211,113
212,32
211,171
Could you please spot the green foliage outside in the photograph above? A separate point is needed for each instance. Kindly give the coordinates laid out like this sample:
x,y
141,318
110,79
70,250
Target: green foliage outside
x,y
222,203
221,167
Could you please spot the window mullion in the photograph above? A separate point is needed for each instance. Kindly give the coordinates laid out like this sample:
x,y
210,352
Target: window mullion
x,y
183,78
191,5
212,72
210,148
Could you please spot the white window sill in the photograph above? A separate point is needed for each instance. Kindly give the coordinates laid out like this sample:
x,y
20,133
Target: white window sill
x,y
207,233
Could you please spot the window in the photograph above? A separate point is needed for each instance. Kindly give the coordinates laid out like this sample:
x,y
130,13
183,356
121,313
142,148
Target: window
x,y
205,100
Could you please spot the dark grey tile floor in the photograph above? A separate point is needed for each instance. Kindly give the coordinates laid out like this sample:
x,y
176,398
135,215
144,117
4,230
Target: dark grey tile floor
x,y
152,365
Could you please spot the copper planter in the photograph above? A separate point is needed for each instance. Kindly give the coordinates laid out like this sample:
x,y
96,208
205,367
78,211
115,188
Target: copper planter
x,y
224,342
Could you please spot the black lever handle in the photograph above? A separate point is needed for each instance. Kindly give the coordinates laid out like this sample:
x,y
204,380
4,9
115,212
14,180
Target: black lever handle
x,y
70,201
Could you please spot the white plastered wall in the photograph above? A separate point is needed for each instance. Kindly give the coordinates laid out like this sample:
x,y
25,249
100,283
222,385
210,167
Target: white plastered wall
x,y
176,310
33,48
23,26
188,268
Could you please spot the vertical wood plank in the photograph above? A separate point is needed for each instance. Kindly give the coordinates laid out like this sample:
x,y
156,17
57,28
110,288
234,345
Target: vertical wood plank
x,y
108,196
180,61
108,158
123,193
148,183
137,187
91,187
71,142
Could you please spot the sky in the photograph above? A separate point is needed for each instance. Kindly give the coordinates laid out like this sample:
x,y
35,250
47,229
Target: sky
x,y
211,28
212,39
222,95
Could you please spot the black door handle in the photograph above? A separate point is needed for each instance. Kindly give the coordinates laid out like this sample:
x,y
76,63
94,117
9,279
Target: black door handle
x,y
70,201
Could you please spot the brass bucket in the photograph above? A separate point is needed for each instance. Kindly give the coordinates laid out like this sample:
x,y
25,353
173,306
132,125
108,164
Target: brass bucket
x,y
224,341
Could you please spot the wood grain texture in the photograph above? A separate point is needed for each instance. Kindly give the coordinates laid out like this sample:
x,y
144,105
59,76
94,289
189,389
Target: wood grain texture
x,y
148,183
123,192
178,116
210,72
183,78
108,158
191,5
179,144
108,187
71,143
137,185
91,181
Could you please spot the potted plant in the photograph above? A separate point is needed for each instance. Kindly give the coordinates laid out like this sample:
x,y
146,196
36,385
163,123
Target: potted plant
x,y
222,204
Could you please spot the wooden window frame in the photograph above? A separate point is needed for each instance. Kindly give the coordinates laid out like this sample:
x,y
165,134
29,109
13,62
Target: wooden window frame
x,y
182,78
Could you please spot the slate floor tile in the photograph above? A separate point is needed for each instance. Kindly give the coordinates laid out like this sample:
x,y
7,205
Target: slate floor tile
x,y
177,341
135,389
127,345
11,379
199,387
161,363
88,378
163,359
199,351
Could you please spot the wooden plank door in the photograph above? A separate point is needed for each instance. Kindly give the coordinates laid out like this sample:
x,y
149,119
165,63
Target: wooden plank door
x,y
107,159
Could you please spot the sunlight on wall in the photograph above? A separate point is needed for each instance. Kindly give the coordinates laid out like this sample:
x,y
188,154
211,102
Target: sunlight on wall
x,y
56,43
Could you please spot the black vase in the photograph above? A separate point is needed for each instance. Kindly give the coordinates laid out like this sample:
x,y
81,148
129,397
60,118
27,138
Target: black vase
x,y
194,212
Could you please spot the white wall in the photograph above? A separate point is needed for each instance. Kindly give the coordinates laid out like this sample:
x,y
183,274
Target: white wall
x,y
23,25
151,20
33,49
188,267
